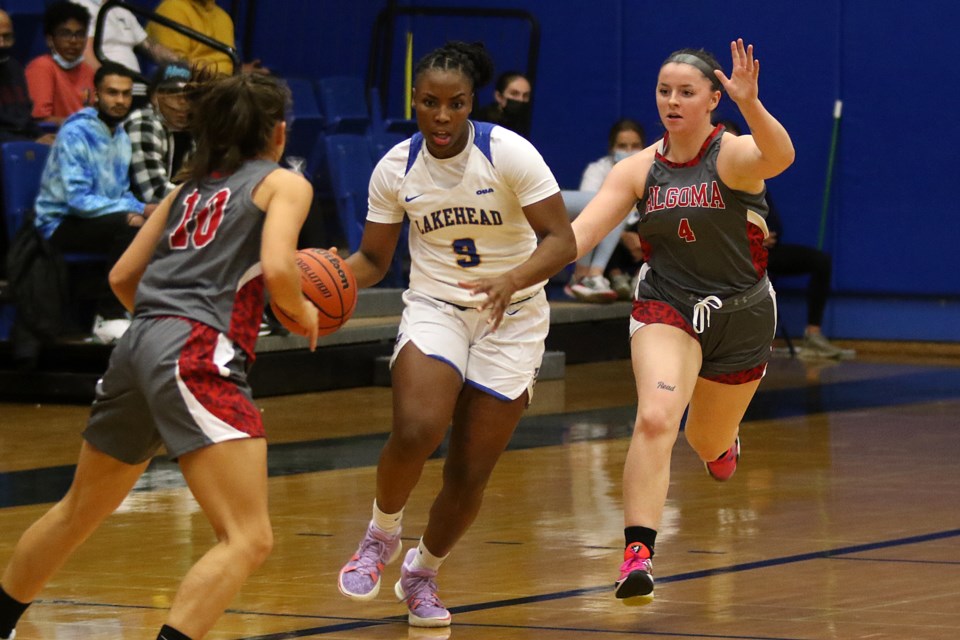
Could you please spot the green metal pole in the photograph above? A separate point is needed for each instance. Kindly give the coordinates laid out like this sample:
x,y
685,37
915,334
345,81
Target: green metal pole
x,y
837,110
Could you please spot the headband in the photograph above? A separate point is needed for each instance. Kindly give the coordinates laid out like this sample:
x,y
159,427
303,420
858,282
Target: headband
x,y
700,64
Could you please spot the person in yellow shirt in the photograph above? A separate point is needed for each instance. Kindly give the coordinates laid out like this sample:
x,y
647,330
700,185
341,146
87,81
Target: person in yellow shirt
x,y
203,16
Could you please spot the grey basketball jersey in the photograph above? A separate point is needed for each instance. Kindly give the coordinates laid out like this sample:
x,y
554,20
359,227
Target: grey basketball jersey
x,y
206,266
698,234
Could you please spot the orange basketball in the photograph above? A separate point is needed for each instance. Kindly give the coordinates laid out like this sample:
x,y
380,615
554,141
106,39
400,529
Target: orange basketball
x,y
329,284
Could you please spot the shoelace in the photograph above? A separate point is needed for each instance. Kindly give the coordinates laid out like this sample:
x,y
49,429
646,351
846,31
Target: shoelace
x,y
424,591
368,558
701,312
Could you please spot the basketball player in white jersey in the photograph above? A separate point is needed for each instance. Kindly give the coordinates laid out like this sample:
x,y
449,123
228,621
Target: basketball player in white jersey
x,y
704,317
471,339
194,277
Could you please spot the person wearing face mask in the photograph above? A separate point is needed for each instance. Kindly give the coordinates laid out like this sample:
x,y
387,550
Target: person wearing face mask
x,y
588,282
60,84
511,104
85,203
16,121
159,135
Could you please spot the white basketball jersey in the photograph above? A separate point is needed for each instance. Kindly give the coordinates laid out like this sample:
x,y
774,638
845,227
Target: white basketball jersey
x,y
474,229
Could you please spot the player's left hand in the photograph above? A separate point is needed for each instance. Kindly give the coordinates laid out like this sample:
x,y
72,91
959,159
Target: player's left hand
x,y
498,290
742,86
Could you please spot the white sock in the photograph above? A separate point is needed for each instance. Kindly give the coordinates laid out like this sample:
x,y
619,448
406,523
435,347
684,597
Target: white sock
x,y
426,560
386,522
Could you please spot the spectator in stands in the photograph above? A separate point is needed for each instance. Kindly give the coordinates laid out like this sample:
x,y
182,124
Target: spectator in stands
x,y
122,39
60,84
511,103
16,119
203,16
799,260
588,283
85,203
159,137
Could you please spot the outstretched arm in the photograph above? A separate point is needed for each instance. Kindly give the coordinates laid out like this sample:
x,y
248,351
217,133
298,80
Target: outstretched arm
x,y
768,150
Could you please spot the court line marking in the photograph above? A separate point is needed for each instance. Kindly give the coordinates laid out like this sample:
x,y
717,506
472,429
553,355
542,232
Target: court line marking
x,y
680,577
348,624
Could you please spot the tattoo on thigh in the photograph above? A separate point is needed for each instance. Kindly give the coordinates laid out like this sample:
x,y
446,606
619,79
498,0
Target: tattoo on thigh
x,y
668,387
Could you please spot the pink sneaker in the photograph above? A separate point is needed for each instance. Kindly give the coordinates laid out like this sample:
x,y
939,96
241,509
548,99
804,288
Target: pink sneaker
x,y
635,585
723,467
419,588
360,577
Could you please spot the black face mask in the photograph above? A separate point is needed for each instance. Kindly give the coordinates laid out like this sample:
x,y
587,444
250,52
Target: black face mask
x,y
5,53
516,117
109,120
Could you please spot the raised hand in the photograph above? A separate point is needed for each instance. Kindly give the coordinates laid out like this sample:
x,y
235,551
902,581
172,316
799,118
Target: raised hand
x,y
742,85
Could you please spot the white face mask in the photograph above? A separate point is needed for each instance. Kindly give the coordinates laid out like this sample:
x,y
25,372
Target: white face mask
x,y
620,154
66,64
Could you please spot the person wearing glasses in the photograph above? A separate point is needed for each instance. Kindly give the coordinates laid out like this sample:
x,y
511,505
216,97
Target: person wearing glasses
x,y
59,83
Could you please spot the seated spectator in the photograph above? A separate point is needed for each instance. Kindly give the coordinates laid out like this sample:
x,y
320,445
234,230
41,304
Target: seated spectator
x,y
122,39
59,83
85,203
158,133
203,16
588,282
511,104
16,121
797,260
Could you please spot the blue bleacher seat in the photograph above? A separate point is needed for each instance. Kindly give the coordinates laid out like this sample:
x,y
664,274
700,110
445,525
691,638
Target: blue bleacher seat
x,y
21,169
380,123
343,100
350,167
305,123
381,142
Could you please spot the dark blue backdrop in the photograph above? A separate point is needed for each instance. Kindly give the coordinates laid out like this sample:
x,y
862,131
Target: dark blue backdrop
x,y
891,223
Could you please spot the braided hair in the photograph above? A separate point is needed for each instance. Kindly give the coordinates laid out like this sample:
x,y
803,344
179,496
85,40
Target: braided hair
x,y
470,59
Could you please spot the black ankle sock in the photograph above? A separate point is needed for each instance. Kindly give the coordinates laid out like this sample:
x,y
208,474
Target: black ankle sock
x,y
169,633
640,534
10,612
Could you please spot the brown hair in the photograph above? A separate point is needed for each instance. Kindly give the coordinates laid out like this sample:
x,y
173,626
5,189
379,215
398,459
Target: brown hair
x,y
232,120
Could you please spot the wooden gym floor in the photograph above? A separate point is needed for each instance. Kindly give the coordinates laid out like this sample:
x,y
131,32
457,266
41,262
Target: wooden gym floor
x,y
842,521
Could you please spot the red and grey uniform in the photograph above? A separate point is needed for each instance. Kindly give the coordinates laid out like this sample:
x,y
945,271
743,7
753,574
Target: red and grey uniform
x,y
705,268
178,375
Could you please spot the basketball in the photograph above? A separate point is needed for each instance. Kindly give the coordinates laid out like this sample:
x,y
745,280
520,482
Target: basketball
x,y
328,283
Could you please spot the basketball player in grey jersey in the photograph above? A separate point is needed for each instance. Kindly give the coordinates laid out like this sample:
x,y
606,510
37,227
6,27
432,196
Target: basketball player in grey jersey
x,y
704,319
178,375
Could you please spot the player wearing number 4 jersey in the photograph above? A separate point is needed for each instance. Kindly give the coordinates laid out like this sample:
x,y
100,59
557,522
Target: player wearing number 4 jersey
x,y
704,317
471,337
178,375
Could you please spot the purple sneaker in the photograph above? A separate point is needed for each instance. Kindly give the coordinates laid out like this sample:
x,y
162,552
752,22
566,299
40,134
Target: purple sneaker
x,y
723,467
419,588
635,585
360,577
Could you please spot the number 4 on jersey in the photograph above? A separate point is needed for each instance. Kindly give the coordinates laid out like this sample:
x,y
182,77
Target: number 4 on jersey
x,y
685,232
205,222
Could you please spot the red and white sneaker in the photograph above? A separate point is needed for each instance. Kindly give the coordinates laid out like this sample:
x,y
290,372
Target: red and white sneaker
x,y
635,585
722,468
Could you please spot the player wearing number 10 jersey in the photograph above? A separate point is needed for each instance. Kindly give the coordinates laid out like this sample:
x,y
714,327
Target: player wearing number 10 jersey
x,y
471,337
178,375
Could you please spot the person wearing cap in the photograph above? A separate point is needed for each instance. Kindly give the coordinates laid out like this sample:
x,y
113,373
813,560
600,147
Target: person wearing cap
x,y
123,38
159,138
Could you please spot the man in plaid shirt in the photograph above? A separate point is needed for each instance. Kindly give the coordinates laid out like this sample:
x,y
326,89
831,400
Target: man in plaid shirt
x,y
158,134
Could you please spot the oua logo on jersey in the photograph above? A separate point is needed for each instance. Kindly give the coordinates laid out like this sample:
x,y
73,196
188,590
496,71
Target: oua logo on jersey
x,y
455,216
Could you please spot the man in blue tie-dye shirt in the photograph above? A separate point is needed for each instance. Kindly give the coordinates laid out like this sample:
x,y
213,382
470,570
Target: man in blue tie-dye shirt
x,y
85,203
